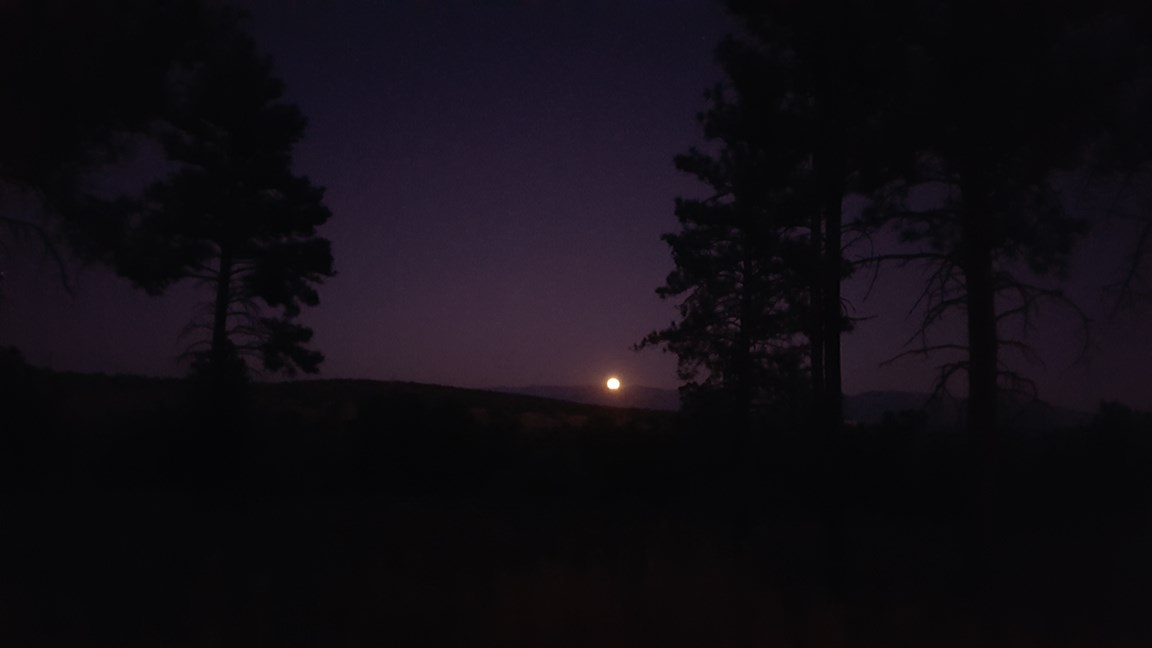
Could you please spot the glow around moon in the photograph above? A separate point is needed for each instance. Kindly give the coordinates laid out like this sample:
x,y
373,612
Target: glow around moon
x,y
613,383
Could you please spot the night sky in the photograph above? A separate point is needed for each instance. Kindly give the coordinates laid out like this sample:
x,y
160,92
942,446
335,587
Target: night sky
x,y
500,174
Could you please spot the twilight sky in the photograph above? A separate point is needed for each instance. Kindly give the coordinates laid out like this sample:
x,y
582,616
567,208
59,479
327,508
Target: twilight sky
x,y
500,174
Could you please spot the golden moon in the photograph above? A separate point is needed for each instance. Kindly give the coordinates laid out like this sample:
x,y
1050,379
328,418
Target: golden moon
x,y
613,384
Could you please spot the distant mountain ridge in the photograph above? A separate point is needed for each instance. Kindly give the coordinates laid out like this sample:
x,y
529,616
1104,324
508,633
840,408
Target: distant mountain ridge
x,y
638,397
867,407
947,411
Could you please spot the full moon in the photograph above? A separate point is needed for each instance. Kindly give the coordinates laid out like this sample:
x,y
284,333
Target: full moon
x,y
613,384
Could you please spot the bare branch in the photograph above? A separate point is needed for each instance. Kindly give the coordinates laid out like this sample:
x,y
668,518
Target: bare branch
x,y
25,228
924,351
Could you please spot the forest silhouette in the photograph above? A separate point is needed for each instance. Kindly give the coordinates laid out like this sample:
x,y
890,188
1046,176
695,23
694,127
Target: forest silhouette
x,y
228,508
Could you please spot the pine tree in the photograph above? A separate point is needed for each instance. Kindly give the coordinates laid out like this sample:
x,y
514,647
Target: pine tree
x,y
79,81
807,99
742,269
234,216
995,122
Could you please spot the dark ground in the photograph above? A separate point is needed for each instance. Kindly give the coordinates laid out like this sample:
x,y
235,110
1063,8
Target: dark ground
x,y
352,513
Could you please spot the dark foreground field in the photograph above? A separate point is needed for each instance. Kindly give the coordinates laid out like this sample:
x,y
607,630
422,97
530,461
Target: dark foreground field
x,y
352,513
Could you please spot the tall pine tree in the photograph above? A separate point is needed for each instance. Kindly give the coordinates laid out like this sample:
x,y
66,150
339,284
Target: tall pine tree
x,y
993,122
810,121
79,81
234,216
739,276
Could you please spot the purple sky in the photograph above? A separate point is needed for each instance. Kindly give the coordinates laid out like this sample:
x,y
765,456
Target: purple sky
x,y
500,174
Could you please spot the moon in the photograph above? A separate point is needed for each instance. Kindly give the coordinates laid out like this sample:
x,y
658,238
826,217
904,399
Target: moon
x,y
613,383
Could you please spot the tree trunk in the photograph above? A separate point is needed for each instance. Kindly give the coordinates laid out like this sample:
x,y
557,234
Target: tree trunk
x,y
833,199
829,168
980,293
980,287
816,321
220,351
744,343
